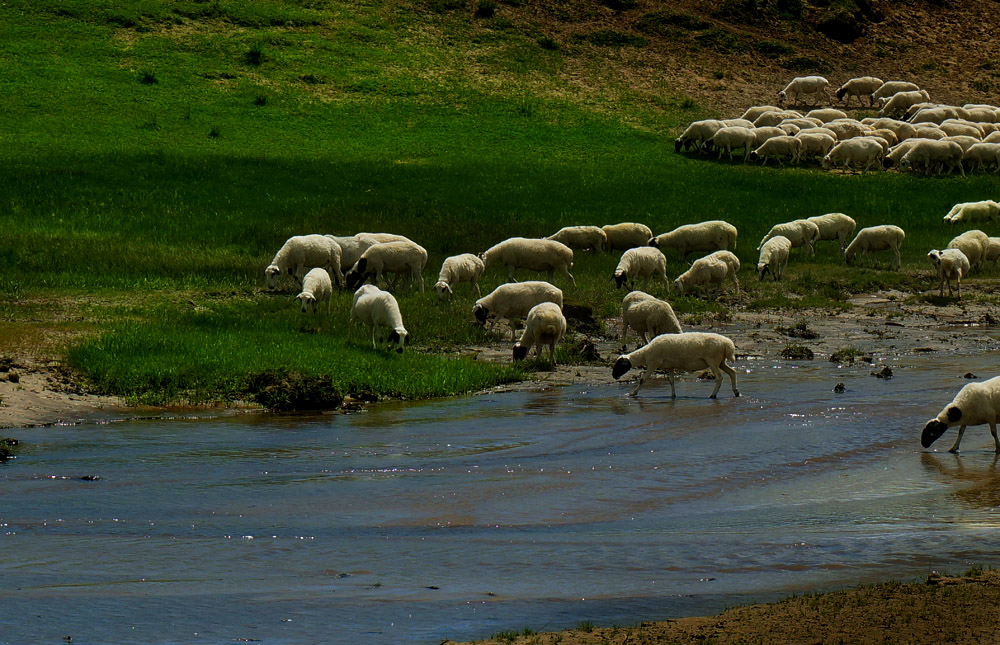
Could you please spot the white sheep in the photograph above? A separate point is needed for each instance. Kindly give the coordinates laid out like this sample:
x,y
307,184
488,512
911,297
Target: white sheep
x,y
859,87
834,226
703,236
897,152
646,314
378,309
545,325
975,404
982,155
764,133
900,102
401,258
826,114
513,300
951,264
778,148
885,133
712,269
901,129
774,257
802,86
304,252
955,128
532,254
814,144
770,119
697,133
802,122
965,142
732,123
971,212
581,237
753,112
846,128
885,237
887,89
993,251
316,287
800,232
790,129
929,131
626,235
732,138
928,153
351,248
641,262
687,351
456,270
974,244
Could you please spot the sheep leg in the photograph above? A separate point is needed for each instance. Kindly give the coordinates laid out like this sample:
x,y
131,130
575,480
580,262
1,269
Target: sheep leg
x,y
895,261
670,377
552,357
958,439
374,346
420,280
642,379
732,376
510,273
475,287
736,281
569,275
993,431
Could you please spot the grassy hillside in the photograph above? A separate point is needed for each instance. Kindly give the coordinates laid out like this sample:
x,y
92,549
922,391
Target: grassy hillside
x,y
157,154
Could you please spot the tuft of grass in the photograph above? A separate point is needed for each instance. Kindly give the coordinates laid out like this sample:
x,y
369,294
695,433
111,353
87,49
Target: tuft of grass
x,y
215,132
255,56
486,8
849,355
793,352
147,77
586,626
260,100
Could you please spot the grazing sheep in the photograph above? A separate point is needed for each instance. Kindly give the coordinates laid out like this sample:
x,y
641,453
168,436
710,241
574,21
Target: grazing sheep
x,y
732,123
965,142
886,237
814,144
642,263
351,248
885,133
982,155
687,351
778,148
954,128
937,115
901,102
532,254
897,152
974,244
993,251
951,264
457,269
545,325
800,232
377,308
710,270
400,258
826,114
764,133
975,404
790,128
834,226
971,212
646,314
859,87
704,236
304,252
926,153
803,85
732,138
316,287
887,89
769,119
697,133
802,122
929,131
581,237
982,114
514,300
774,257
626,235
753,112
901,129
846,129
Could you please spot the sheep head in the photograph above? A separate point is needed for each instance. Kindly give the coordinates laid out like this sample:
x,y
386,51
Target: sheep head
x,y
443,289
481,313
762,269
271,273
622,365
306,301
398,338
935,428
520,352
620,278
678,144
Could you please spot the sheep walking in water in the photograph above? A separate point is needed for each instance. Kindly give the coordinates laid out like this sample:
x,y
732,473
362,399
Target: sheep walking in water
x,y
975,404
686,351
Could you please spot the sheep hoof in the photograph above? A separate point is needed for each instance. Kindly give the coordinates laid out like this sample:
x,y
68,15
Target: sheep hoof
x,y
712,396
736,392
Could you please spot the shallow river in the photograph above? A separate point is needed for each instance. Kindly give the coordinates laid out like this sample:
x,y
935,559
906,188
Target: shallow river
x,y
464,517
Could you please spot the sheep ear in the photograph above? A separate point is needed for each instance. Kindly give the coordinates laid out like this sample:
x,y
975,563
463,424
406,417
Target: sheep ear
x,y
448,287
954,414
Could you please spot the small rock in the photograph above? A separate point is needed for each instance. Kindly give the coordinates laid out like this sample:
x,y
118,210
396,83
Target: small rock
x,y
884,373
13,377
839,388
797,353
970,375
90,478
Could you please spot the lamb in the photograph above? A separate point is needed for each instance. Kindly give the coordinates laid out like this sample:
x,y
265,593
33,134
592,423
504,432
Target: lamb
x,y
887,89
304,252
401,258
642,263
626,235
859,87
982,154
901,102
646,314
711,269
316,287
951,264
834,226
975,404
686,351
826,114
925,153
800,232
974,244
777,147
730,138
969,212
875,238
704,236
532,254
377,308
513,301
814,144
696,133
774,257
457,269
545,325
803,85
581,237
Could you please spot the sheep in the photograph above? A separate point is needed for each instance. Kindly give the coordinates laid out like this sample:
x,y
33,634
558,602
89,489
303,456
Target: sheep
x,y
814,144
800,232
696,133
774,118
351,248
969,212
846,129
925,153
730,138
513,301
951,264
704,236
993,137
753,112
826,114
316,287
400,258
764,133
642,263
929,131
802,122
532,254
974,244
377,308
993,251
982,114
732,123
834,226
858,87
777,147
817,130
581,237
901,101
711,269
897,152
687,351
304,252
876,238
982,154
545,325
457,269
954,128
979,130
646,314
885,133
937,115
975,404
902,129
965,142
774,257
887,89
789,128
803,85
626,235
